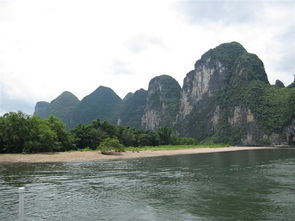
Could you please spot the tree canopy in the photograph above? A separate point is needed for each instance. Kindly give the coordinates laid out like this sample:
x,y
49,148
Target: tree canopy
x,y
21,133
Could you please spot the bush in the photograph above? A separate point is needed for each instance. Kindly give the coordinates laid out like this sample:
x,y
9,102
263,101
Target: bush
x,y
111,144
176,140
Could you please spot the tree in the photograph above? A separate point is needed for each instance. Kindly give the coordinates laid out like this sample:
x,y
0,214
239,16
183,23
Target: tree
x,y
3,135
110,129
41,137
87,136
65,139
165,135
22,133
148,138
128,137
96,124
14,132
111,144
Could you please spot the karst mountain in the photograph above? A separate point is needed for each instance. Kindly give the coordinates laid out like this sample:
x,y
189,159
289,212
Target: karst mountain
x,y
226,98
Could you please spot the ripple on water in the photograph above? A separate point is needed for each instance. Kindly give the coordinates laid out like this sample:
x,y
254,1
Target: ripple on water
x,y
220,186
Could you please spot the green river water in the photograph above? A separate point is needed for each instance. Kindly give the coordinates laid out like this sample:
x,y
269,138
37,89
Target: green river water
x,y
240,185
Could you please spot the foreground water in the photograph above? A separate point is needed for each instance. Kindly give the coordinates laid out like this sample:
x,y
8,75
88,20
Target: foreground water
x,y
242,185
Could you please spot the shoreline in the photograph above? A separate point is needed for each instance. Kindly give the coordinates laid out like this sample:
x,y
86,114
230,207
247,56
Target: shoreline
x,y
79,156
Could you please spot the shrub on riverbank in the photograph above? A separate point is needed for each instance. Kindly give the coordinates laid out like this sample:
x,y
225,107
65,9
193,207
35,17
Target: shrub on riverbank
x,y
111,144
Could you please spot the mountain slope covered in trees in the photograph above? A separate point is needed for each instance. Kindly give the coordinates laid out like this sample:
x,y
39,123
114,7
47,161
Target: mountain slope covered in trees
x,y
225,98
102,103
61,107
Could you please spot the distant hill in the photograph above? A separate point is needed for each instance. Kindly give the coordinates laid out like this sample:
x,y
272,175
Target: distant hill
x,y
41,109
132,109
225,98
103,103
61,107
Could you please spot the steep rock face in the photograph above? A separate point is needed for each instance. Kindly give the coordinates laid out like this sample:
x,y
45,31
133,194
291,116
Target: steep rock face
x,y
41,109
132,109
220,99
226,98
208,76
162,102
103,103
200,110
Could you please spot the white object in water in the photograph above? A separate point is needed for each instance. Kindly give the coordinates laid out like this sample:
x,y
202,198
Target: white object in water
x,y
21,191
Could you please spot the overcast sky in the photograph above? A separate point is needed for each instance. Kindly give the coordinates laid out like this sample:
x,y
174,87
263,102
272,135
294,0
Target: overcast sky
x,y
49,46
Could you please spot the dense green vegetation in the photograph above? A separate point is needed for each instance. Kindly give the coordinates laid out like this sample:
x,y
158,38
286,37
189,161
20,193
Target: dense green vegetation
x,y
273,109
21,133
226,53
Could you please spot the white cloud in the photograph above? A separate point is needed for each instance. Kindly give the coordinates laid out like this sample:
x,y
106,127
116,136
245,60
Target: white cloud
x,y
266,28
47,47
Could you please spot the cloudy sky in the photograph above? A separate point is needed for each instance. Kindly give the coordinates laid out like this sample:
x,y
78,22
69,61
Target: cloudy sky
x,y
49,46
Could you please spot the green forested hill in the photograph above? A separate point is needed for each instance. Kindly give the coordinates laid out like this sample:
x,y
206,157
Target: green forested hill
x,y
132,109
226,98
61,107
103,103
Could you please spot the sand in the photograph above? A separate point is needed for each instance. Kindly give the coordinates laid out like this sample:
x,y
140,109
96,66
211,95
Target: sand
x,y
78,156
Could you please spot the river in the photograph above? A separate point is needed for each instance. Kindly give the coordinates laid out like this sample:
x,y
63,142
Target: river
x,y
239,185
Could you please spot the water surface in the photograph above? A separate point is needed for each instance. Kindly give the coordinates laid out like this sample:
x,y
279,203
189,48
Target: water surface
x,y
241,185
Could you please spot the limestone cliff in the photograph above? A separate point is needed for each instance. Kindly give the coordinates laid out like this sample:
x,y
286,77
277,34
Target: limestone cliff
x,y
162,102
227,98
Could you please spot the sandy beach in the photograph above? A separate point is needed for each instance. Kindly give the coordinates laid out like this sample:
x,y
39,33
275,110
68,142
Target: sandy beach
x,y
96,155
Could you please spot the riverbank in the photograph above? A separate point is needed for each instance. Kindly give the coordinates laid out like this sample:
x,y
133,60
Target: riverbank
x,y
78,156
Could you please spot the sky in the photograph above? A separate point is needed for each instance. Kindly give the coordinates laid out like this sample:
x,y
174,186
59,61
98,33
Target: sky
x,y
51,46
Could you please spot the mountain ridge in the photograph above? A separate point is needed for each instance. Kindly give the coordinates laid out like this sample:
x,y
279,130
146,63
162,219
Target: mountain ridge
x,y
226,98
